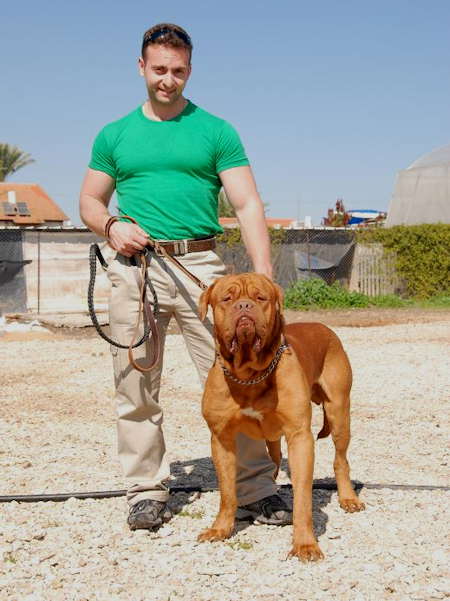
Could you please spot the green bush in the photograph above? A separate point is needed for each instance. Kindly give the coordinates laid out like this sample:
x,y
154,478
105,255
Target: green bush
x,y
440,302
422,255
389,301
316,293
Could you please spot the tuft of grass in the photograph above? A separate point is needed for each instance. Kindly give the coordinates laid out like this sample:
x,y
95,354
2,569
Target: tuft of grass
x,y
195,515
238,545
8,556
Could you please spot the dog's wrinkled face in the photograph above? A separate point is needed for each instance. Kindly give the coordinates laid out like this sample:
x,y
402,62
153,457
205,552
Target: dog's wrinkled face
x,y
247,311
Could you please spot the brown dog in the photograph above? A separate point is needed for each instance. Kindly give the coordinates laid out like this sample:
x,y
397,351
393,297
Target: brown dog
x,y
261,388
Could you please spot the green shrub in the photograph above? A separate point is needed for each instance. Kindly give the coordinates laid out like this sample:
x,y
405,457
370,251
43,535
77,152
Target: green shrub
x,y
316,293
422,255
439,302
389,301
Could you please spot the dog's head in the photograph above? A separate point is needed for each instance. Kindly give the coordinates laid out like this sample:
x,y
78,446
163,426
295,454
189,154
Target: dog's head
x,y
247,312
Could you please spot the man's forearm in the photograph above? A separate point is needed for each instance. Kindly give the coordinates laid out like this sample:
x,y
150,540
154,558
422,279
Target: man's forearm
x,y
94,214
254,232
240,188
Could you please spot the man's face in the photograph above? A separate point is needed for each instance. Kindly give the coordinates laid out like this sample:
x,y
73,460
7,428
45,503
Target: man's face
x,y
166,71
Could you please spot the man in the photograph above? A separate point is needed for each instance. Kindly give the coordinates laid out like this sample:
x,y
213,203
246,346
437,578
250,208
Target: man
x,y
167,161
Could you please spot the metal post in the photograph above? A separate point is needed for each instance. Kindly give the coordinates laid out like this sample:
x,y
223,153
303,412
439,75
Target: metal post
x,y
39,275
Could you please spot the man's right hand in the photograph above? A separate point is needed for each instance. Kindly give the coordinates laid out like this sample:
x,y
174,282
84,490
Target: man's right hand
x,y
127,238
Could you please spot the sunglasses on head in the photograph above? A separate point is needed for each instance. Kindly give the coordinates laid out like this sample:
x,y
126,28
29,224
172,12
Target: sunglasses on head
x,y
164,31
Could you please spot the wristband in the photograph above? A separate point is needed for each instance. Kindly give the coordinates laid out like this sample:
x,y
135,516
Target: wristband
x,y
108,225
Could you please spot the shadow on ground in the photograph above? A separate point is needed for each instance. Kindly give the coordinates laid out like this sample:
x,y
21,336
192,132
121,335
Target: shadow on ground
x,y
200,473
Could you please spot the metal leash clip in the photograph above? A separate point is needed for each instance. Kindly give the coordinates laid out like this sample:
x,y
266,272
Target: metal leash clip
x,y
145,253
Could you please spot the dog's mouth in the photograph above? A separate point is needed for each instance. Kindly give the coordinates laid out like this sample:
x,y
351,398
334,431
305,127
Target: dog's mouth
x,y
245,335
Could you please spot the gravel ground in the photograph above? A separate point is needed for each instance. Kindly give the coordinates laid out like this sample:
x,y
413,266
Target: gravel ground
x,y
58,435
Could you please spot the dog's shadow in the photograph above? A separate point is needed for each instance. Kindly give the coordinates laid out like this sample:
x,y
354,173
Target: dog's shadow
x,y
186,476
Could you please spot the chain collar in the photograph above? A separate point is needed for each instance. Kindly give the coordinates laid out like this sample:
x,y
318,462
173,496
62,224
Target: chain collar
x,y
263,376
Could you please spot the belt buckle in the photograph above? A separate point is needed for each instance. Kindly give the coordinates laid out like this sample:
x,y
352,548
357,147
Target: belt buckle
x,y
180,247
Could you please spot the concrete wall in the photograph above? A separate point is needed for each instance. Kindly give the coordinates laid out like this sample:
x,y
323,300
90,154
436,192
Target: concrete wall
x,y
57,276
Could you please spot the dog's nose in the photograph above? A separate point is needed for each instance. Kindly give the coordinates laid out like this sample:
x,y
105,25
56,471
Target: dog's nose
x,y
244,304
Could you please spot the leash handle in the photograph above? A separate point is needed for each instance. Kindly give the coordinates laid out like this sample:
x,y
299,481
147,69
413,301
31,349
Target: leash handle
x,y
129,219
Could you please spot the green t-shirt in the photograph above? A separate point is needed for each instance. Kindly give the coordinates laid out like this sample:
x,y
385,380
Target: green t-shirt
x,y
166,172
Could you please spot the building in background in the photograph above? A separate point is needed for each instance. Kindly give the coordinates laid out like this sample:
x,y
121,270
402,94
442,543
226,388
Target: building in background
x,y
28,205
422,191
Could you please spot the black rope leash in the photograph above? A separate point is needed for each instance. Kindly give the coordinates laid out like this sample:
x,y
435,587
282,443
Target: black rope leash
x,y
94,254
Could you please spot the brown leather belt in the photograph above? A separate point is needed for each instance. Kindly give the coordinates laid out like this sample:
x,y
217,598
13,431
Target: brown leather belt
x,y
182,247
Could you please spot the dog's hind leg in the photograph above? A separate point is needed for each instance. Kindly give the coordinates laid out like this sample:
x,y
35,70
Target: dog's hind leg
x,y
336,384
337,411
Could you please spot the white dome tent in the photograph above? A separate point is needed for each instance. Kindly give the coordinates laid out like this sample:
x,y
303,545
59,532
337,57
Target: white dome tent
x,y
422,191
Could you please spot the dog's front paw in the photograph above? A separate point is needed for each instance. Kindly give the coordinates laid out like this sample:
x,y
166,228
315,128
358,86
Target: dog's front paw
x,y
305,553
214,534
352,505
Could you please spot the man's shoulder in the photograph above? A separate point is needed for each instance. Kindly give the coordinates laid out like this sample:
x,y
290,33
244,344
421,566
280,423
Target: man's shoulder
x,y
114,128
208,118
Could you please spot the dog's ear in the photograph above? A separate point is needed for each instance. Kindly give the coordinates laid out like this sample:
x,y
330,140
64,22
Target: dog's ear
x,y
279,296
204,302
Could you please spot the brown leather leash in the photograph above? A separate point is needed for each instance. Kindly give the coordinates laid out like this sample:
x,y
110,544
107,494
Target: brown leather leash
x,y
144,305
160,250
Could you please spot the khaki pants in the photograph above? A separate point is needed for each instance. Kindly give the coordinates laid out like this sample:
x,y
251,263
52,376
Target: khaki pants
x,y
141,446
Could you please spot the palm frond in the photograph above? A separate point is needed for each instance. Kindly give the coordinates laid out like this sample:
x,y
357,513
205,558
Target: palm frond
x,y
12,159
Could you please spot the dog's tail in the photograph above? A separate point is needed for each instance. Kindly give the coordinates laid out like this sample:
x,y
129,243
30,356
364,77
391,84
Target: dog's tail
x,y
326,426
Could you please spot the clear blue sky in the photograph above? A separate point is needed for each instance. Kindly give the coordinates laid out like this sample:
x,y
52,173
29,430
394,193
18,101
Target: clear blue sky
x,y
330,98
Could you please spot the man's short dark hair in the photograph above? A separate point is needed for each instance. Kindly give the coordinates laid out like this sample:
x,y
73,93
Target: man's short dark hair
x,y
167,34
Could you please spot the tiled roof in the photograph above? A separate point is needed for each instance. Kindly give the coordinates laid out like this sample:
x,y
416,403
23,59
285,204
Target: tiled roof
x,y
41,207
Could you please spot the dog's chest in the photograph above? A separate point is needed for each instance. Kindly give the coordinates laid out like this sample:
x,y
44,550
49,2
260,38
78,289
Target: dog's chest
x,y
257,409
258,422
254,413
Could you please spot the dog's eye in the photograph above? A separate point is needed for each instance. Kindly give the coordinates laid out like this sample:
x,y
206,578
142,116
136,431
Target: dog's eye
x,y
226,299
261,298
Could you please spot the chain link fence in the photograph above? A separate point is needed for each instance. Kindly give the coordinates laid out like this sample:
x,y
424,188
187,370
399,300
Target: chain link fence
x,y
44,271
299,255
